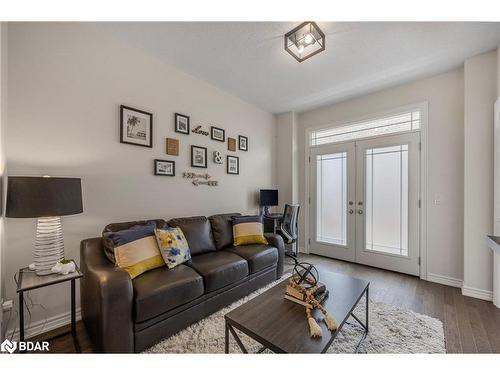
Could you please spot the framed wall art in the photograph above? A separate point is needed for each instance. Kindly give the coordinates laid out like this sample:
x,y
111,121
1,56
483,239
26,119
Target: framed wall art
x,y
136,127
198,157
231,144
164,168
242,143
172,146
233,164
217,134
181,123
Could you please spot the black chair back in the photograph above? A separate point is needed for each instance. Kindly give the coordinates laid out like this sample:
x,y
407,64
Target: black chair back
x,y
289,225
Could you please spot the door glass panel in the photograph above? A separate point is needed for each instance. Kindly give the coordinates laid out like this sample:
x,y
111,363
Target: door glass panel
x,y
331,202
386,199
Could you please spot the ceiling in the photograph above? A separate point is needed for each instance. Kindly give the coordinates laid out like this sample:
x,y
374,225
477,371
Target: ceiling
x,y
248,60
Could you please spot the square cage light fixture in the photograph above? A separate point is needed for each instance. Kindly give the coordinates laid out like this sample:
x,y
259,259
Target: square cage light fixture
x,y
304,41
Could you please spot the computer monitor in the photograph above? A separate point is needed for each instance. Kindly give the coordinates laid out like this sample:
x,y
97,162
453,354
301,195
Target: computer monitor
x,y
268,197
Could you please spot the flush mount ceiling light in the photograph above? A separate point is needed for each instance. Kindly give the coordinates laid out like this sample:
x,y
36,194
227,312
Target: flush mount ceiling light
x,y
304,41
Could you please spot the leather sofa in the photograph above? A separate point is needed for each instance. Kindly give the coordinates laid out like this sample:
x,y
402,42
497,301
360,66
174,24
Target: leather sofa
x,y
125,316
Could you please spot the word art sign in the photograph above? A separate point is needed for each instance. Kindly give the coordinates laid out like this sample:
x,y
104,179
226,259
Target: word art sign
x,y
192,175
199,130
200,179
207,182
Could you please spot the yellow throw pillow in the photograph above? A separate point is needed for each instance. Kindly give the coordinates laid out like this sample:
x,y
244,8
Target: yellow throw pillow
x,y
248,230
135,249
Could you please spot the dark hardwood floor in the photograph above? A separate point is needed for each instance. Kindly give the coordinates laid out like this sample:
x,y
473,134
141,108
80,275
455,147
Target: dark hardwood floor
x,y
471,325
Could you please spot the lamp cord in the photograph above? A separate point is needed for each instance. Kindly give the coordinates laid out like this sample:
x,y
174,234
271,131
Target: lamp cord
x,y
29,304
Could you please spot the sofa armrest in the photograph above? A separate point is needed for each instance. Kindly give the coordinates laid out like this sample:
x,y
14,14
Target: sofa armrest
x,y
276,241
106,296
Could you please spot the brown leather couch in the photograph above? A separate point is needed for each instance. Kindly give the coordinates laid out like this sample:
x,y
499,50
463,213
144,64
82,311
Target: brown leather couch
x,y
125,316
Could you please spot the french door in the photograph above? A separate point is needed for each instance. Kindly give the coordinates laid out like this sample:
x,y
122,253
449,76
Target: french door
x,y
365,202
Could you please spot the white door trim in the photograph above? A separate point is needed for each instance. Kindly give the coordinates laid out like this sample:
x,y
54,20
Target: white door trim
x,y
424,124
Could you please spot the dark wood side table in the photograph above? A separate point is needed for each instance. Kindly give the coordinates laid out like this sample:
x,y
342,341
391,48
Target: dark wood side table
x,y
29,280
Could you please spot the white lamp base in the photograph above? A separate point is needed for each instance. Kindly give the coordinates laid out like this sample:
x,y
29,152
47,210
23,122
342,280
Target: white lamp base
x,y
49,244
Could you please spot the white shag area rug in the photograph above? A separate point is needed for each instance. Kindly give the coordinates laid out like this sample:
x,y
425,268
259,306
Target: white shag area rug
x,y
392,330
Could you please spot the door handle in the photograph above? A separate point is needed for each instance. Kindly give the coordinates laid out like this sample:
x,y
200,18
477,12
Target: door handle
x,y
360,212
351,211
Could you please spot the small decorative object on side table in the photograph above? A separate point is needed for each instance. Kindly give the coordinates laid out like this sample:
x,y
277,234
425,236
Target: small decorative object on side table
x,y
29,280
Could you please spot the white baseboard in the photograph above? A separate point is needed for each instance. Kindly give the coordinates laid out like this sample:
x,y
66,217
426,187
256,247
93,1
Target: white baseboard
x,y
445,280
42,326
469,291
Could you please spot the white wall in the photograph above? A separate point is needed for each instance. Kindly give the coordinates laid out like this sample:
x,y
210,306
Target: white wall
x,y
287,158
66,82
498,72
444,94
3,111
480,92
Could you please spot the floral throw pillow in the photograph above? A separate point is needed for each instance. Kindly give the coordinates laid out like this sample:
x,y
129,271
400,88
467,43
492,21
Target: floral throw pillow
x,y
173,246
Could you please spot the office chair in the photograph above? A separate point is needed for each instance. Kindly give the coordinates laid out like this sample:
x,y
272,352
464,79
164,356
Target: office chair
x,y
289,229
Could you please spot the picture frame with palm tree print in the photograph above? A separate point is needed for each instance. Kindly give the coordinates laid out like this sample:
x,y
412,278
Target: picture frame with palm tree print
x,y
136,127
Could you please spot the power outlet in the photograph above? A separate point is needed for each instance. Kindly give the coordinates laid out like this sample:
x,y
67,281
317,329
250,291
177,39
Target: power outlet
x,y
7,306
437,200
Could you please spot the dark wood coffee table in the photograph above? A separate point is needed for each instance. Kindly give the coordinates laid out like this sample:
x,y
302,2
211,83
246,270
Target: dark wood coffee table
x,y
281,325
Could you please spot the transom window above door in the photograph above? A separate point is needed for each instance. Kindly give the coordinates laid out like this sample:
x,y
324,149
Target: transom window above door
x,y
395,123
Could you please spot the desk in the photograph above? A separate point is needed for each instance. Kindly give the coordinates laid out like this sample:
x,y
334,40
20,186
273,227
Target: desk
x,y
272,222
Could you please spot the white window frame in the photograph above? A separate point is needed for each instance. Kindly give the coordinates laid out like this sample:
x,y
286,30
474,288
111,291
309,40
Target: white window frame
x,y
423,107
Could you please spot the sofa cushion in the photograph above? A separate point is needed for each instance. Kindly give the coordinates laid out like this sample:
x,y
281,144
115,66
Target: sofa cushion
x,y
135,249
163,289
257,256
248,230
222,229
173,246
116,227
219,268
197,231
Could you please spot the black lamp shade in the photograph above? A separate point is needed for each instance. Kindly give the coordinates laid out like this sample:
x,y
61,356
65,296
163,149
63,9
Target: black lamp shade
x,y
43,196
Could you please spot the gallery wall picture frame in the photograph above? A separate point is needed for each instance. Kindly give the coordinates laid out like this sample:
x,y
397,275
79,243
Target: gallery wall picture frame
x,y
164,168
242,143
217,134
181,123
231,144
198,157
233,164
136,127
172,146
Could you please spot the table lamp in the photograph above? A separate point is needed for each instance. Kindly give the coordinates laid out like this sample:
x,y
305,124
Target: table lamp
x,y
47,199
